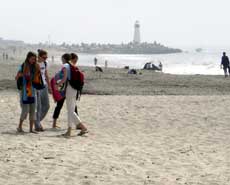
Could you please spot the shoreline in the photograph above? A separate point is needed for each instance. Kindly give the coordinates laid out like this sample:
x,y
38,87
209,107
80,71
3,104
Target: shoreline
x,y
118,82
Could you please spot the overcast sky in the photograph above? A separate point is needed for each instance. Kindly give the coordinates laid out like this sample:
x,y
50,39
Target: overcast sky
x,y
176,23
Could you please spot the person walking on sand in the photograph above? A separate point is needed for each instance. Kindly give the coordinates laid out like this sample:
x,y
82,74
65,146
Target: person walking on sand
x,y
225,64
28,75
59,104
71,93
43,104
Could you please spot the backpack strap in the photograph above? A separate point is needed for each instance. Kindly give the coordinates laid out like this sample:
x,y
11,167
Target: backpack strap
x,y
45,64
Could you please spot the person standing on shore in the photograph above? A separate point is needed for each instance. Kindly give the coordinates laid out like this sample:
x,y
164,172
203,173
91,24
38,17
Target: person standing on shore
x,y
28,75
106,64
71,94
225,64
161,66
95,61
42,94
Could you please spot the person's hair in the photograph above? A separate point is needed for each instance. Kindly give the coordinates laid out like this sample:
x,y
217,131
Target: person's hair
x,y
42,52
74,56
29,55
224,53
66,57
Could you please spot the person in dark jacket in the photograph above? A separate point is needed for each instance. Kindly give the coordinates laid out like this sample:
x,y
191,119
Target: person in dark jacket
x,y
225,64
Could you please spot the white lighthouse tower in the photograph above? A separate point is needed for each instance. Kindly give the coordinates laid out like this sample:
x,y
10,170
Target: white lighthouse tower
x,y
137,34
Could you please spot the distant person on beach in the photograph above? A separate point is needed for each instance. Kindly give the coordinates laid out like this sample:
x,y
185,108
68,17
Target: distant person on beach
x,y
225,64
28,77
106,64
95,61
42,94
3,56
161,66
6,56
59,104
71,93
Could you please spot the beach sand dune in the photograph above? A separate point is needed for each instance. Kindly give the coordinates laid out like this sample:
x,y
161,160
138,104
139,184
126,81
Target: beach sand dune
x,y
136,140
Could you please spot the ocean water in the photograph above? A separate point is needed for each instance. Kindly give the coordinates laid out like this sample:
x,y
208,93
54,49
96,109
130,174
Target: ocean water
x,y
180,63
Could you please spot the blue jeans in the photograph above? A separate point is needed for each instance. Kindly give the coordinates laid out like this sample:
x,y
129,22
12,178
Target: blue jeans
x,y
42,105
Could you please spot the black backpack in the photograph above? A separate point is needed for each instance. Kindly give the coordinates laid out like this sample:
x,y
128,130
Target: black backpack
x,y
77,80
20,80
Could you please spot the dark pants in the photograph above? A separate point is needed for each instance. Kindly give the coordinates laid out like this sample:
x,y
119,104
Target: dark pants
x,y
59,107
226,70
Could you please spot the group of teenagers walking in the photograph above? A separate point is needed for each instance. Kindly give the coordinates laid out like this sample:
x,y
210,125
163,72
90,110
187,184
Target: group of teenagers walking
x,y
34,87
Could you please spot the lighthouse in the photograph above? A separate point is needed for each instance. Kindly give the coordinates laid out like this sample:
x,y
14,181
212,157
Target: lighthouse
x,y
137,34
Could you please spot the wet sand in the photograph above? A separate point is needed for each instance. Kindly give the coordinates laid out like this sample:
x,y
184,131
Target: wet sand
x,y
118,82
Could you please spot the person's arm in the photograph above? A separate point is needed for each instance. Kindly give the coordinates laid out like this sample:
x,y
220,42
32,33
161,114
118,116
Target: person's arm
x,y
64,77
48,81
19,74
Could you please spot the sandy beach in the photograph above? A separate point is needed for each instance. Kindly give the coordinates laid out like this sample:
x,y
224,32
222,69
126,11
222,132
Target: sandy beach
x,y
155,106
155,103
150,128
133,140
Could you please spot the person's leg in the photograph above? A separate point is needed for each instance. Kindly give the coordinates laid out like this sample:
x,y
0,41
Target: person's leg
x,y
44,106
225,72
19,129
20,125
73,118
57,111
44,102
76,110
77,121
24,112
38,110
83,129
79,126
69,106
32,116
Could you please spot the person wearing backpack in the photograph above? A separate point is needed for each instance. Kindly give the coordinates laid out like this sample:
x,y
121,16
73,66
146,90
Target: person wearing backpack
x,y
60,102
71,72
28,78
43,104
